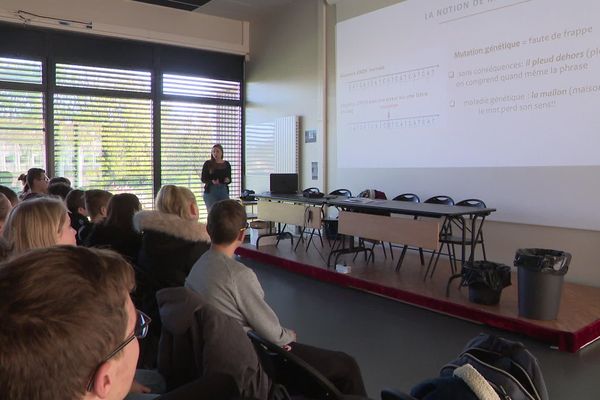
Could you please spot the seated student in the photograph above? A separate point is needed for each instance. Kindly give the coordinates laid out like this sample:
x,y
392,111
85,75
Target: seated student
x,y
77,212
233,289
96,204
172,241
60,179
10,195
35,183
172,237
116,230
73,334
5,208
49,347
38,223
59,189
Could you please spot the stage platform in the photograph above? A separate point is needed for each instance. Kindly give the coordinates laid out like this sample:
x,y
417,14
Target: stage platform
x,y
577,325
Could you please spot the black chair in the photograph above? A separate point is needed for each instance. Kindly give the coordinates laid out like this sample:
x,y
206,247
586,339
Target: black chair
x,y
208,387
361,241
330,224
445,230
412,198
445,200
473,233
287,369
393,394
341,192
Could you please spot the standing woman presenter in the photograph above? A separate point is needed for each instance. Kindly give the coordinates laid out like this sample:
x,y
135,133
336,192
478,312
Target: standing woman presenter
x,y
216,175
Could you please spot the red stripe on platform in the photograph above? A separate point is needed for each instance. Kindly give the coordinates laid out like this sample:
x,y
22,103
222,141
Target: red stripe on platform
x,y
565,341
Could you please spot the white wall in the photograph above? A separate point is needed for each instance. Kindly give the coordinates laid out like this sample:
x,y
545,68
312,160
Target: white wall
x,y
132,20
283,76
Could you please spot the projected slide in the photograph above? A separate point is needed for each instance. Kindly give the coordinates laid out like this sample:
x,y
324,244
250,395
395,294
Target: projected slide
x,y
474,83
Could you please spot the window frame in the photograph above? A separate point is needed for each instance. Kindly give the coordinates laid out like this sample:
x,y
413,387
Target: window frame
x,y
53,47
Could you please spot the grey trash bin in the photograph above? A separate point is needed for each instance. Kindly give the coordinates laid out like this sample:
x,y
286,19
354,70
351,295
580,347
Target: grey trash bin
x,y
540,273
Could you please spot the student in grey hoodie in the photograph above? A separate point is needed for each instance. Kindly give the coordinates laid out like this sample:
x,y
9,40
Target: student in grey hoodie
x,y
233,289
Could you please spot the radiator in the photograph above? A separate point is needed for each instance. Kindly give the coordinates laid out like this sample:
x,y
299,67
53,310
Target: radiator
x,y
271,147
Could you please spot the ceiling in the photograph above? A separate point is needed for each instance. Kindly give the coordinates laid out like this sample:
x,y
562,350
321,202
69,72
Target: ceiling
x,y
242,9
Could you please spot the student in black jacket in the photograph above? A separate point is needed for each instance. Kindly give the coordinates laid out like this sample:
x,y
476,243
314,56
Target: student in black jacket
x,y
172,241
116,231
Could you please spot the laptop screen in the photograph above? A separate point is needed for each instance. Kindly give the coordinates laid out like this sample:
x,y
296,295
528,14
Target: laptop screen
x,y
284,183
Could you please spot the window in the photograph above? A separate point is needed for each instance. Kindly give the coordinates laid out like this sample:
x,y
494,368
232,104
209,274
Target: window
x,y
200,87
104,142
190,129
21,71
120,115
22,140
102,78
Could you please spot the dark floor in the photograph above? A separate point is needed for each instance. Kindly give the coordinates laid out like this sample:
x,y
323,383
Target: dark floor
x,y
398,345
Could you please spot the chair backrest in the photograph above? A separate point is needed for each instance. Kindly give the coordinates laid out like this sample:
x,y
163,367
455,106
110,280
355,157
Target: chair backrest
x,y
471,203
410,197
341,192
287,369
446,200
198,340
393,394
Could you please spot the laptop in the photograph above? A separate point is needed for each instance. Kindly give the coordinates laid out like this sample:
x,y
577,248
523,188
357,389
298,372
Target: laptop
x,y
284,183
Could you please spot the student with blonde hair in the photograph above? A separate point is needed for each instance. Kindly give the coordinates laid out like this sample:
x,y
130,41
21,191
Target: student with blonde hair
x,y
172,237
38,223
172,241
177,200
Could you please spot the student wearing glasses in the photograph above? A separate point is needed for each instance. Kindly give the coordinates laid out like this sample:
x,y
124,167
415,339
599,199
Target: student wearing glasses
x,y
70,329
234,289
35,183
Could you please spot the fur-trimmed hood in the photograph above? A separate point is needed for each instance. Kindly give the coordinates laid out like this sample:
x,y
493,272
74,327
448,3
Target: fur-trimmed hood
x,y
172,225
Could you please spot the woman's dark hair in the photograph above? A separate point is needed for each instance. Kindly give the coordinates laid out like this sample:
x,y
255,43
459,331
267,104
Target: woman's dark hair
x,y
10,195
60,179
34,173
59,189
218,146
75,200
121,208
23,179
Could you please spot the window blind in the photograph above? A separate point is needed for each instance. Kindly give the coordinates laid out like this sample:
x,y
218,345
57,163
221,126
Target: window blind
x,y
20,71
22,141
102,78
201,87
104,142
188,132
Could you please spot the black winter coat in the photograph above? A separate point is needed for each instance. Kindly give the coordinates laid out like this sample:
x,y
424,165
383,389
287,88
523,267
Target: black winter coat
x,y
126,243
170,246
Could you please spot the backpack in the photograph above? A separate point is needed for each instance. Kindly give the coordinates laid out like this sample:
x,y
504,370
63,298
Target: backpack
x,y
509,368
